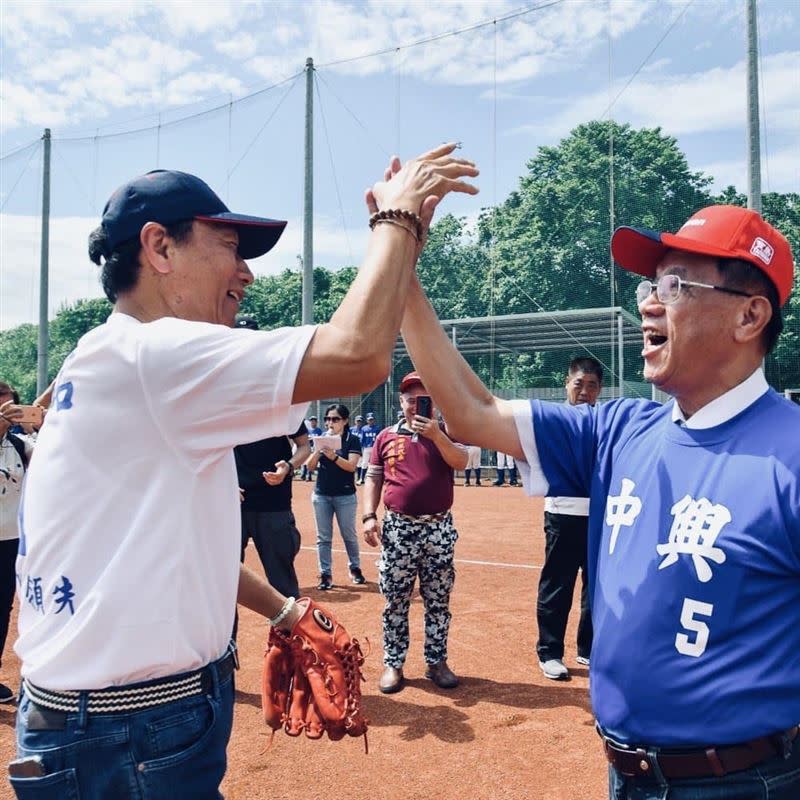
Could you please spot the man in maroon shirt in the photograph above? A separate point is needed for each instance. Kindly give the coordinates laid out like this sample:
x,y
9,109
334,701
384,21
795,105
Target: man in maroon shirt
x,y
414,461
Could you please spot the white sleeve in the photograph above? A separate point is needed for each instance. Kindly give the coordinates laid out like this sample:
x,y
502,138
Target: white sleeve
x,y
211,388
533,479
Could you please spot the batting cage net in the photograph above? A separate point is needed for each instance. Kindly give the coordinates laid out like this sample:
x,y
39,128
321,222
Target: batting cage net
x,y
521,276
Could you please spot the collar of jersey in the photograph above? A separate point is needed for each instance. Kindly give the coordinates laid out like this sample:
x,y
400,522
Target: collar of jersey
x,y
726,406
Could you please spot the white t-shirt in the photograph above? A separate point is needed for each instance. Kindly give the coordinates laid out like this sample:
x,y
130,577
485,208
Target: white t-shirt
x,y
129,544
12,473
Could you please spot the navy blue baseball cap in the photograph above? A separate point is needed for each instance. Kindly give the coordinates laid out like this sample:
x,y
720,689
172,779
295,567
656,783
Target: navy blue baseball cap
x,y
166,197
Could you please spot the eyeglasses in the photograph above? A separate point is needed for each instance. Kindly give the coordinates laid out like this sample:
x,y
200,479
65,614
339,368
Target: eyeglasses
x,y
668,289
331,419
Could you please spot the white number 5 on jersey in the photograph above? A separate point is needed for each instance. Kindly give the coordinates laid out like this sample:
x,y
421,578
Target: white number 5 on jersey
x,y
691,610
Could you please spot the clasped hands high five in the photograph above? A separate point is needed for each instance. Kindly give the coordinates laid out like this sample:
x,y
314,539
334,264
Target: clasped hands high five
x,y
420,183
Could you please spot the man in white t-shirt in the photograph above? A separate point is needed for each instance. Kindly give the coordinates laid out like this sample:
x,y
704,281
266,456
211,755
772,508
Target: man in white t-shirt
x,y
128,565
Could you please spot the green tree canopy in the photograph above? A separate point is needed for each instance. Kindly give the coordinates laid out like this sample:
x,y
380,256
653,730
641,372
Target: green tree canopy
x,y
546,247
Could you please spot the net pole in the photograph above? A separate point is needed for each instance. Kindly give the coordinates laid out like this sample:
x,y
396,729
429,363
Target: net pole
x,y
308,202
44,269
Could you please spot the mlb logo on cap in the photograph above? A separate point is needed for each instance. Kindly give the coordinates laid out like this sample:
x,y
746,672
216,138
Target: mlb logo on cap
x,y
763,250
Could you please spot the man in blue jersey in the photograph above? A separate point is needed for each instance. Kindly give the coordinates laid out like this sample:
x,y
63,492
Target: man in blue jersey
x,y
313,428
694,524
368,434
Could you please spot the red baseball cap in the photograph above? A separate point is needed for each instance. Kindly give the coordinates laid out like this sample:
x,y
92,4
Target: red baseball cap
x,y
412,379
719,231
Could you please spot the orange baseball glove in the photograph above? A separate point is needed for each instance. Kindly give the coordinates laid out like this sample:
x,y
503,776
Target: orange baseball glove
x,y
312,678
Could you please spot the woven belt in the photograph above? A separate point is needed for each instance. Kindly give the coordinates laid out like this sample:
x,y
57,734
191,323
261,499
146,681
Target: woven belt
x,y
422,517
637,762
134,696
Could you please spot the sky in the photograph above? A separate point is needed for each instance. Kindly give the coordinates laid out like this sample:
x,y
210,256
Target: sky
x,y
217,88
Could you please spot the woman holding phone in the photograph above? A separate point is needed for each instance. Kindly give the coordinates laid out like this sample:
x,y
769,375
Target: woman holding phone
x,y
335,494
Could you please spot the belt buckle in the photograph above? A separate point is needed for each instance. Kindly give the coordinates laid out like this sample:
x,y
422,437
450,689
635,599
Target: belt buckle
x,y
644,764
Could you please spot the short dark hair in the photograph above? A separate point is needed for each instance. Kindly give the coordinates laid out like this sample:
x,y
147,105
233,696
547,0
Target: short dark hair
x,y
342,410
121,266
746,277
588,365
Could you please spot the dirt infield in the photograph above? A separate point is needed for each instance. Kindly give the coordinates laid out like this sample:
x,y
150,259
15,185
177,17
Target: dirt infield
x,y
506,732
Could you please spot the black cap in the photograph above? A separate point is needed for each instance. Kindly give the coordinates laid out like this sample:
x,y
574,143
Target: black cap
x,y
166,197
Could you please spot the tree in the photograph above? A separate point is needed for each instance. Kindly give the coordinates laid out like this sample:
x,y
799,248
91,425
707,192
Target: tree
x,y
70,323
552,234
19,346
18,349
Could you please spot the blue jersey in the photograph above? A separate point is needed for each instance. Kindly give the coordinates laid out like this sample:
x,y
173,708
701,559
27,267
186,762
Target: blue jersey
x,y
368,435
694,563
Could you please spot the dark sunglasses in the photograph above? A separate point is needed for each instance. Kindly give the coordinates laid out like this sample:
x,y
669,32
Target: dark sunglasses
x,y
331,419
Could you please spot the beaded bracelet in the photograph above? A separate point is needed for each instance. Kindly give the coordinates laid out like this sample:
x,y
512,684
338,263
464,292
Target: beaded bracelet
x,y
399,224
397,214
283,613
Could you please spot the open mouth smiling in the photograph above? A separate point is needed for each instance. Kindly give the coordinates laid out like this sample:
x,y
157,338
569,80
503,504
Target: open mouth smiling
x,y
652,341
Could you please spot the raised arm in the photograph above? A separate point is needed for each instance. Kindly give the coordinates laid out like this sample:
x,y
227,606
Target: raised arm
x,y
352,352
472,412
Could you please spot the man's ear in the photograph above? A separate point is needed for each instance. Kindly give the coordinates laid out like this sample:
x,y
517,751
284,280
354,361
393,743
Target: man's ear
x,y
753,316
155,247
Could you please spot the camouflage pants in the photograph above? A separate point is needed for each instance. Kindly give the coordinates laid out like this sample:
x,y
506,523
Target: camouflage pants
x,y
414,548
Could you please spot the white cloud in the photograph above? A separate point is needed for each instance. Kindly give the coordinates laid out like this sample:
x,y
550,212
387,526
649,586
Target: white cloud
x,y
130,50
780,172
240,47
689,103
192,17
658,65
73,276
528,45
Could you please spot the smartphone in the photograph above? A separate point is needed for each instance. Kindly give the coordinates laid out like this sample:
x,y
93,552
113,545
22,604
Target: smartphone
x,y
31,415
424,406
30,767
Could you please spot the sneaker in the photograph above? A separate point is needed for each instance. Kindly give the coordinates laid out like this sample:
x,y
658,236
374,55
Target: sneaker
x,y
6,695
325,583
357,577
554,669
582,660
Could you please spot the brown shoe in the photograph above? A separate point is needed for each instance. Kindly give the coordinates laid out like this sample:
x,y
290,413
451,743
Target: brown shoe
x,y
391,681
442,675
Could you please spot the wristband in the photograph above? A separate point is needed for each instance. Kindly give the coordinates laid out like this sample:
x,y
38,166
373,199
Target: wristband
x,y
412,231
367,517
283,613
415,228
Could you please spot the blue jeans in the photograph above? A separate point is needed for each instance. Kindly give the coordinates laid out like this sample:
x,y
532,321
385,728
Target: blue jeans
x,y
175,751
775,779
344,506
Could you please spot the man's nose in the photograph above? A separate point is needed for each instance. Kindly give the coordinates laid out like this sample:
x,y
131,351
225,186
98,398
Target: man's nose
x,y
244,272
651,305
